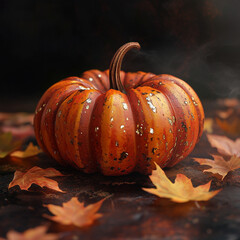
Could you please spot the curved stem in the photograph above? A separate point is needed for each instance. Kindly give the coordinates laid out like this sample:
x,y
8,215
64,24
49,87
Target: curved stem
x,y
116,63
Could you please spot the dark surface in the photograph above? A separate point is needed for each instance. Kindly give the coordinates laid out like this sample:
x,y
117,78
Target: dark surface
x,y
128,212
44,41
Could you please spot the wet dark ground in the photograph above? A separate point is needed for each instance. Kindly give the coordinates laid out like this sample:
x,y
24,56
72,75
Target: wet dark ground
x,y
128,212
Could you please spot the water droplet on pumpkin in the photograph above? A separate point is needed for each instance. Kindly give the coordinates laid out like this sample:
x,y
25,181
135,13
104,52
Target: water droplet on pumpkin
x,y
125,107
89,100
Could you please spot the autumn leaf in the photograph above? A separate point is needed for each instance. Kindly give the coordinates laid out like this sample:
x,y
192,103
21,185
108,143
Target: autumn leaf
x,y
38,233
208,125
225,145
219,165
7,144
181,190
231,125
37,176
74,212
30,151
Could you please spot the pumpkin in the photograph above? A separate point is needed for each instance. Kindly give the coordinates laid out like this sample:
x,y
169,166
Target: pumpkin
x,y
116,122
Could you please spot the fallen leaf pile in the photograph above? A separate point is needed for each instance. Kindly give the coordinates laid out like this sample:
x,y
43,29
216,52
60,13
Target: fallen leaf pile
x,y
226,147
181,190
36,175
74,212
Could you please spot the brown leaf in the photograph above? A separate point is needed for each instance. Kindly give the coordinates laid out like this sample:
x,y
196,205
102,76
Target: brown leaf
x,y
38,233
37,176
219,165
181,190
74,212
7,144
30,151
225,145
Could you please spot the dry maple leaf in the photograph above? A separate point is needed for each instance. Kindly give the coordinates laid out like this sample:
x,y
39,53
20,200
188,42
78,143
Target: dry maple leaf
x,y
38,233
219,165
181,190
30,151
74,212
37,176
225,145
7,144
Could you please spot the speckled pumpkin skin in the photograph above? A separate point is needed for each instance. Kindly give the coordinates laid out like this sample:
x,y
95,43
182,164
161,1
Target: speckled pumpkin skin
x,y
81,122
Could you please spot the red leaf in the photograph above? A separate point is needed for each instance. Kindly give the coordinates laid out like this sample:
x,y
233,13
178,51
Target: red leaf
x,y
37,176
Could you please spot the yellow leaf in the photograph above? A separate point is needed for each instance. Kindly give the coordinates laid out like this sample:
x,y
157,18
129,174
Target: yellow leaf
x,y
37,176
181,190
225,145
7,144
208,125
219,165
74,212
30,151
38,233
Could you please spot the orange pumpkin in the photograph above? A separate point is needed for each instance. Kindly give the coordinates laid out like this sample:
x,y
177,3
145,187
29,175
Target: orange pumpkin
x,y
117,122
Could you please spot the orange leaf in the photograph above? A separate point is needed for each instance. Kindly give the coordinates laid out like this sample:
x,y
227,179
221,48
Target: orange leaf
x,y
38,176
181,190
30,151
225,145
231,126
7,144
219,165
74,212
38,233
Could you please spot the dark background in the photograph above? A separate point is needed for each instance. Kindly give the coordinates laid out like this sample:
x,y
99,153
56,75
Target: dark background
x,y
44,41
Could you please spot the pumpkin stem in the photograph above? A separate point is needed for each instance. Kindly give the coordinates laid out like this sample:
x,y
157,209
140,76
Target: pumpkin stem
x,y
116,63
